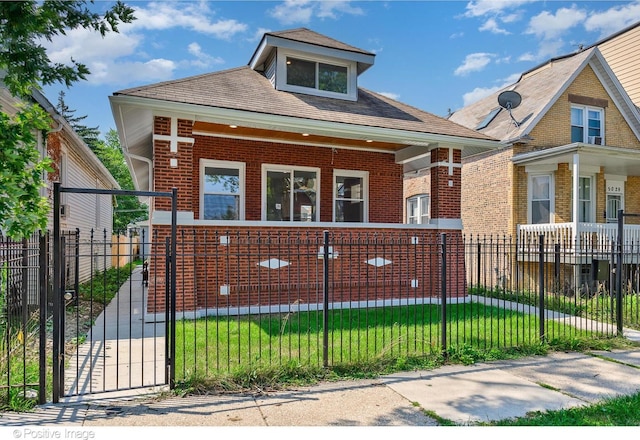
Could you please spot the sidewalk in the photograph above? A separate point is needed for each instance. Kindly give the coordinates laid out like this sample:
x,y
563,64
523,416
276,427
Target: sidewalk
x,y
463,394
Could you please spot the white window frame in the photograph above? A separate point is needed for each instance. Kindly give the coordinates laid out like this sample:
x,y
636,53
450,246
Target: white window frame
x,y
281,75
585,121
287,168
364,175
530,199
421,217
241,167
592,199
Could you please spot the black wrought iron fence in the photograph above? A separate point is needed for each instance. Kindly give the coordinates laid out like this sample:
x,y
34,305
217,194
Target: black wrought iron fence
x,y
267,298
247,298
24,308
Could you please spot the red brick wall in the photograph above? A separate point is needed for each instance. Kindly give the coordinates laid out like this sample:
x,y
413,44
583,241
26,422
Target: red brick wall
x,y
445,197
385,176
204,265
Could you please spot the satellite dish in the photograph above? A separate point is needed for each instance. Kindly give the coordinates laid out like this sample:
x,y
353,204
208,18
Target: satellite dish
x,y
510,99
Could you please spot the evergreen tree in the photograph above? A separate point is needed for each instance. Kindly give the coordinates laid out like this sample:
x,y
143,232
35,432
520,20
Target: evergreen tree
x,y
90,135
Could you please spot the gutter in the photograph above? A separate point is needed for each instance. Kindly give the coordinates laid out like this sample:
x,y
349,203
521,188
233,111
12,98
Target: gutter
x,y
296,124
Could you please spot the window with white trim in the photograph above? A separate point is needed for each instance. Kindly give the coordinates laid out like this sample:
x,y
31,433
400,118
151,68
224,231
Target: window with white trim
x,y
222,190
290,194
301,72
587,124
350,194
418,209
585,199
540,198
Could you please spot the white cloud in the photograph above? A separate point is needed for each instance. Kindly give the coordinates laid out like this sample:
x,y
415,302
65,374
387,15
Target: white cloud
x,y
547,26
480,8
474,62
202,60
613,19
547,49
128,72
492,26
293,11
332,9
390,95
191,16
481,92
301,11
106,57
85,46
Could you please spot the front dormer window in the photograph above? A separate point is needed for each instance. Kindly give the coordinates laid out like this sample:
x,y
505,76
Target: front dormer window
x,y
316,75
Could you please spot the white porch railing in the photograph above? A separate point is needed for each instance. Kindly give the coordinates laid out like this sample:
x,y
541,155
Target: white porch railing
x,y
577,237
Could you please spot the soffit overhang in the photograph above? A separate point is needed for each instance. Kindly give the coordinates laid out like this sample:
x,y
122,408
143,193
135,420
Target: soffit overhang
x,y
134,122
610,160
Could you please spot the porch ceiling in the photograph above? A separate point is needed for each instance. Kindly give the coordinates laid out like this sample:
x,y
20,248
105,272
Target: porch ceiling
x,y
613,160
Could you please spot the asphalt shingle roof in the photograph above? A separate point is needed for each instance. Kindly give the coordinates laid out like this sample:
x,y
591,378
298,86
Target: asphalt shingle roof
x,y
538,88
245,89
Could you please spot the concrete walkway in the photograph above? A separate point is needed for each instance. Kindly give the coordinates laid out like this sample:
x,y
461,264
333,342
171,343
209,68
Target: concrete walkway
x,y
122,352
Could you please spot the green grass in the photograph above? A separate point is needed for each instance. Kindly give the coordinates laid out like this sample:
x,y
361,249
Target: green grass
x,y
20,369
268,351
600,306
619,411
103,286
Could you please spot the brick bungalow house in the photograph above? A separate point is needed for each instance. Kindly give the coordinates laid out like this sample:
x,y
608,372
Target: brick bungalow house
x,y
570,160
290,145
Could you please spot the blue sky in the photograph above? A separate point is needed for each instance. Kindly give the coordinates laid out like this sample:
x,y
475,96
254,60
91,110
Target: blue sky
x,y
434,55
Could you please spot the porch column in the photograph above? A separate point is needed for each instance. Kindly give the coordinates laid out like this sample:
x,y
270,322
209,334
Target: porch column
x,y
576,201
446,172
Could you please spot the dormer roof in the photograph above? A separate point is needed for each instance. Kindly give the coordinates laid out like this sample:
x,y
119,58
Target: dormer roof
x,y
306,40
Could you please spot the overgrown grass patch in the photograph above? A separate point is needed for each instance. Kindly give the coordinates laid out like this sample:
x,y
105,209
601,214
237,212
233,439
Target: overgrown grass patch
x,y
267,351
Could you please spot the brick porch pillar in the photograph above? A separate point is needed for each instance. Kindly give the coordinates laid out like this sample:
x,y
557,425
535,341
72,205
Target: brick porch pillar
x,y
173,167
446,173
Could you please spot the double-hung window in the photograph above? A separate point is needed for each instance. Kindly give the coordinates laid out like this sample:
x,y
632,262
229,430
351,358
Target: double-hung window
x,y
222,193
290,194
418,209
585,199
350,196
540,198
587,124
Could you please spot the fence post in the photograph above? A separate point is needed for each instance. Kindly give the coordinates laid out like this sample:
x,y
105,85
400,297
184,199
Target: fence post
x,y
479,270
57,295
325,300
541,285
443,291
43,266
619,272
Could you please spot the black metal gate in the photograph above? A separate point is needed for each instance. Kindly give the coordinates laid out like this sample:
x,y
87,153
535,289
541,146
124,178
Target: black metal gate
x,y
103,340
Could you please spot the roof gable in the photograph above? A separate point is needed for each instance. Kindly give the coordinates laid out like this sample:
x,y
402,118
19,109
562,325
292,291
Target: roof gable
x,y
305,40
540,88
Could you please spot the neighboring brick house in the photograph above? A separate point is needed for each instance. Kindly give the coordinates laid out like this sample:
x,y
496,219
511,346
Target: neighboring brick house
x,y
570,160
288,143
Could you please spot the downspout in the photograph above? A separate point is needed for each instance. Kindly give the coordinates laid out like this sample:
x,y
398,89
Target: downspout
x,y
150,163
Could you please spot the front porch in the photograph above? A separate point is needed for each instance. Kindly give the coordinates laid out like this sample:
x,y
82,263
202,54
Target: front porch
x,y
577,238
